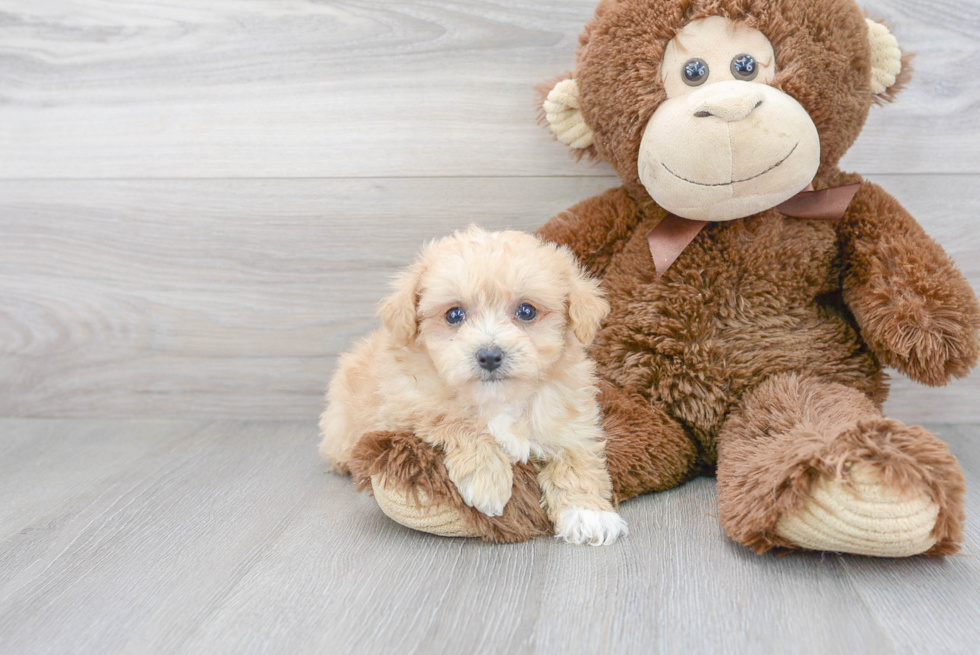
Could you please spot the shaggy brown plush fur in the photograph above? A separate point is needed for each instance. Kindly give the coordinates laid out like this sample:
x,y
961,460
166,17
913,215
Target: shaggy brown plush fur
x,y
657,456
916,310
792,430
760,351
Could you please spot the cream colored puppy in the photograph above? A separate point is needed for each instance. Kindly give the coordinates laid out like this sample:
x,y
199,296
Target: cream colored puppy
x,y
483,353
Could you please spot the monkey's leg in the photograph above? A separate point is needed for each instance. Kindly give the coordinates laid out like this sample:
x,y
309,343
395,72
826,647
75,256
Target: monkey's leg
x,y
646,449
412,486
809,464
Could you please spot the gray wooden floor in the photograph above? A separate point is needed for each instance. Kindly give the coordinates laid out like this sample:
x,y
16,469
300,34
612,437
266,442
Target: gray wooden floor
x,y
230,537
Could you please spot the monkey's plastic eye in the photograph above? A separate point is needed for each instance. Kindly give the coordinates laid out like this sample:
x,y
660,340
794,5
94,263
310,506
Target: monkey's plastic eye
x,y
455,316
526,312
744,67
695,72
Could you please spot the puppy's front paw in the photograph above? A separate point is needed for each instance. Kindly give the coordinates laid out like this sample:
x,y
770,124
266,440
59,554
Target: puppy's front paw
x,y
517,447
487,489
589,526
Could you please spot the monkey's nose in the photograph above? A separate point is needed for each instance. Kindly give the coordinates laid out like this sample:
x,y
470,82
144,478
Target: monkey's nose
x,y
490,358
728,101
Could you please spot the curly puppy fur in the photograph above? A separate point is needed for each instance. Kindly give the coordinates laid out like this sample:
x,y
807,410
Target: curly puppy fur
x,y
460,365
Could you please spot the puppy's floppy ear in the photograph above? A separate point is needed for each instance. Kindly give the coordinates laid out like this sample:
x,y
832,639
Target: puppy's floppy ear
x,y
399,311
586,306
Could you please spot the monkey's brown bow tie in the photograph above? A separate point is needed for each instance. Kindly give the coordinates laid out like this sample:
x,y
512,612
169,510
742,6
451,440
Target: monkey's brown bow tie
x,y
670,236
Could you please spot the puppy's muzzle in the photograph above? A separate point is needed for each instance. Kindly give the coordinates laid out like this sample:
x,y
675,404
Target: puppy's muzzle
x,y
490,359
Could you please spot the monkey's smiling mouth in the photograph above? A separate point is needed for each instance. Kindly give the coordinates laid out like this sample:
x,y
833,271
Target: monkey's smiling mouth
x,y
777,164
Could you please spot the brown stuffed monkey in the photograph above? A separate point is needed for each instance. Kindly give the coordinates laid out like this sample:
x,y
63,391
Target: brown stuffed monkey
x,y
757,291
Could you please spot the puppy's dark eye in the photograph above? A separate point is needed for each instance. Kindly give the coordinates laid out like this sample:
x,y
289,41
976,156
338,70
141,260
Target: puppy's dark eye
x,y
695,72
455,316
744,67
526,312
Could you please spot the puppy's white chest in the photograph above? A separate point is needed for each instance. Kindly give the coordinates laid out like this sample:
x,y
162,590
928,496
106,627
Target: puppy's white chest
x,y
513,440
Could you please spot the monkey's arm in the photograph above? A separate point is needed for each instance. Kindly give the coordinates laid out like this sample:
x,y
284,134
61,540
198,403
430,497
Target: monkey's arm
x,y
594,229
914,307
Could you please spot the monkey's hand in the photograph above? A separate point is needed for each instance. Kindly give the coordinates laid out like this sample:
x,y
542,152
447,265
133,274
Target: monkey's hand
x,y
914,307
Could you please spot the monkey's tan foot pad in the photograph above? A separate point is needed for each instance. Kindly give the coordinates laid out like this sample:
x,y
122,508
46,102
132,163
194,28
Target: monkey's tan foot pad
x,y
863,516
439,519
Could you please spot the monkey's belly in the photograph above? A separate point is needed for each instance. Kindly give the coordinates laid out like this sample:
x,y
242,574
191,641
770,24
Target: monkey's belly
x,y
738,306
699,366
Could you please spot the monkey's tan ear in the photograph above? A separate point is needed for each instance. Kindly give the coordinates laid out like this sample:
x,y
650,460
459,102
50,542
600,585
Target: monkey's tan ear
x,y
886,57
399,311
561,110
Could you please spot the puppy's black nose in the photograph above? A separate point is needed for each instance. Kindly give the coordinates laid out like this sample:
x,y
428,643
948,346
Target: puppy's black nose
x,y
490,358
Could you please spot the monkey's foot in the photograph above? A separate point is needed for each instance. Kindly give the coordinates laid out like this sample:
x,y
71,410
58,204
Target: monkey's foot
x,y
864,516
412,486
435,518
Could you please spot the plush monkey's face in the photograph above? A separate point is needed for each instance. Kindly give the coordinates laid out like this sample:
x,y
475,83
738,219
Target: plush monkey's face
x,y
720,109
725,143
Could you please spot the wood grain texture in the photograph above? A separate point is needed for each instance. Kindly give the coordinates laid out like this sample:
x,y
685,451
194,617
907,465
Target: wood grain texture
x,y
38,472
184,89
222,298
233,298
229,537
230,295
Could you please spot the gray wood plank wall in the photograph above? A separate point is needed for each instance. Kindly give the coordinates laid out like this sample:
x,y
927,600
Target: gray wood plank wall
x,y
200,202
